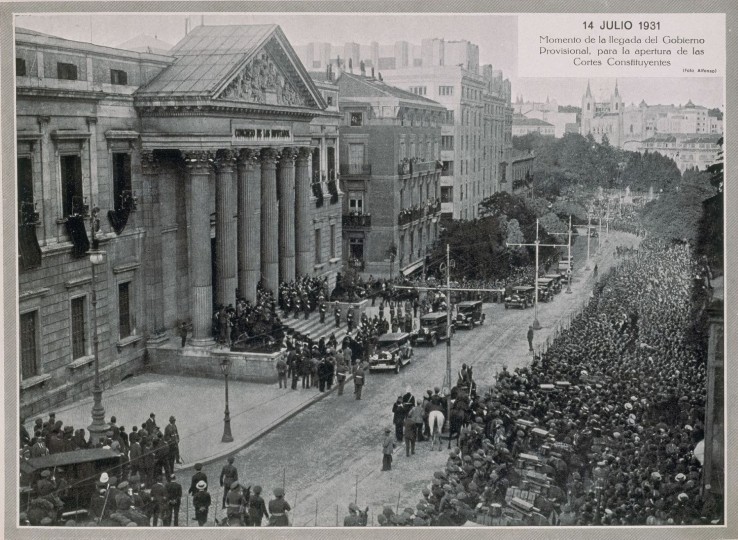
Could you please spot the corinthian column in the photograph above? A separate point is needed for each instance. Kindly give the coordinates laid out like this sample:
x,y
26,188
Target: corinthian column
x,y
249,223
304,256
198,168
225,228
287,215
269,220
150,170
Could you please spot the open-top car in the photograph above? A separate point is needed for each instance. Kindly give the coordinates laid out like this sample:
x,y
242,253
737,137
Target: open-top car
x,y
469,314
393,351
520,297
433,328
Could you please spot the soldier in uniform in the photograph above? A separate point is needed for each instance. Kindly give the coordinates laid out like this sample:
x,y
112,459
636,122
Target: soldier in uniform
x,y
235,503
358,380
356,517
322,311
350,319
337,315
297,307
308,308
278,509
341,371
228,475
257,508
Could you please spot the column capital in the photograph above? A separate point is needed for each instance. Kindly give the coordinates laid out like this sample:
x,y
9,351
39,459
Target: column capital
x,y
248,156
269,155
198,161
288,155
304,153
225,160
149,164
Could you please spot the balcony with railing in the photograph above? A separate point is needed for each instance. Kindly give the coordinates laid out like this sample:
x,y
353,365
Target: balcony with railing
x,y
408,215
433,207
415,166
355,169
356,220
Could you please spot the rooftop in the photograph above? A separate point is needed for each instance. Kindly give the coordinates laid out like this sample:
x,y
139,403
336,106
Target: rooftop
x,y
359,86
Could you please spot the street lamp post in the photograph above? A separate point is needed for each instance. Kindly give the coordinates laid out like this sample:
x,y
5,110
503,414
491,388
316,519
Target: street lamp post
x,y
98,427
225,367
589,228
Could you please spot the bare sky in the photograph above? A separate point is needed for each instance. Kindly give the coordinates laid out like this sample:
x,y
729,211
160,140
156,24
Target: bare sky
x,y
496,36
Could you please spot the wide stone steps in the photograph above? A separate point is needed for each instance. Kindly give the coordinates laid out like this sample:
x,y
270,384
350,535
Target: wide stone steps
x,y
312,327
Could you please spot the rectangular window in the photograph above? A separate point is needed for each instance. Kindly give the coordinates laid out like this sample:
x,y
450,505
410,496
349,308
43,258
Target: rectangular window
x,y
29,344
450,117
79,337
333,241
71,185
318,250
448,168
357,119
124,310
447,142
118,76
67,72
20,67
121,179
445,90
356,202
447,194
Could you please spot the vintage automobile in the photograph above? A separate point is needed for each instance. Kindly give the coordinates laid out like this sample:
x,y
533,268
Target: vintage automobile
x,y
393,351
81,469
556,282
566,263
469,314
545,289
433,328
520,296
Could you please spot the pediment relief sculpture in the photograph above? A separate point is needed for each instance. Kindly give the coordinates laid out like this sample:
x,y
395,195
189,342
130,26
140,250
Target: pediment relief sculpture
x,y
261,81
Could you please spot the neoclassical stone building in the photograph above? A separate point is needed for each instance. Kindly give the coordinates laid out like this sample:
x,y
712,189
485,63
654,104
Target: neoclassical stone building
x,y
200,174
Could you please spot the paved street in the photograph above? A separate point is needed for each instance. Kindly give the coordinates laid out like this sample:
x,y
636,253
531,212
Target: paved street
x,y
323,452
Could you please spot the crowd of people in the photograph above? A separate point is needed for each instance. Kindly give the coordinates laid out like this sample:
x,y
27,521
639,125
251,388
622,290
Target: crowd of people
x,y
602,429
255,326
147,456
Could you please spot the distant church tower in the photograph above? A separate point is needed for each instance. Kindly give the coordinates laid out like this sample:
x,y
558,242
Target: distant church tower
x,y
588,111
616,106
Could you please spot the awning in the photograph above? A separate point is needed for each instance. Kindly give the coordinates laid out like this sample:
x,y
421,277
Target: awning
x,y
412,268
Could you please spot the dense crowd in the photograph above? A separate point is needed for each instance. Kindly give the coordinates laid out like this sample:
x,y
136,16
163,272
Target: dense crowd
x,y
250,325
303,295
147,455
602,429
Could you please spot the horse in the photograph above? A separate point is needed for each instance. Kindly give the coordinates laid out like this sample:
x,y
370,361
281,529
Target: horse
x,y
456,421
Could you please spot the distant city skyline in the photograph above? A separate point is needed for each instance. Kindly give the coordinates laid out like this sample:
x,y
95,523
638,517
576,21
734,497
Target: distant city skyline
x,y
496,36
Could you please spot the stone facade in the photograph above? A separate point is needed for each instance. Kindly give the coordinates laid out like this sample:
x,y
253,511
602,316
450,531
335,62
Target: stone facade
x,y
178,191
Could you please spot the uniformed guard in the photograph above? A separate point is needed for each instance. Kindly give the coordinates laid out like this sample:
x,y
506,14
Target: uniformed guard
x,y
235,504
337,315
356,517
297,307
257,508
228,476
278,510
341,372
358,380
350,319
322,312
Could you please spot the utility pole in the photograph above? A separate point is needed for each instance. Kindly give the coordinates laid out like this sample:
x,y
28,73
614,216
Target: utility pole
x,y
537,244
448,334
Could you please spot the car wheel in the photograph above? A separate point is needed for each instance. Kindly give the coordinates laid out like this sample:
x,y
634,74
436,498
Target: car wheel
x,y
434,341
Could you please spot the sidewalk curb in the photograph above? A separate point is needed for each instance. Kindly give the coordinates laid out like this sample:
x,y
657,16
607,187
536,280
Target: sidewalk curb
x,y
291,414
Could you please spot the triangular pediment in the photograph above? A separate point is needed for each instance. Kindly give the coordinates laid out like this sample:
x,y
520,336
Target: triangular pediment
x,y
271,75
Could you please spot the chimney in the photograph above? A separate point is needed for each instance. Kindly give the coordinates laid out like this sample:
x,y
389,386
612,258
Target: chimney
x,y
380,75
372,72
351,65
362,68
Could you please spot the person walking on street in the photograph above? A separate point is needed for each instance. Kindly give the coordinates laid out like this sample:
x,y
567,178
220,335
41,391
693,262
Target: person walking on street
x,y
530,338
358,380
278,508
388,446
202,502
409,435
257,508
228,475
399,413
174,500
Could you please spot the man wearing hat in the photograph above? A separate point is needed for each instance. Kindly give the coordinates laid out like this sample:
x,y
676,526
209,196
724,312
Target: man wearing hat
x,y
341,373
199,476
257,508
201,501
228,475
388,447
151,424
160,503
171,437
278,509
358,380
174,500
235,504
356,517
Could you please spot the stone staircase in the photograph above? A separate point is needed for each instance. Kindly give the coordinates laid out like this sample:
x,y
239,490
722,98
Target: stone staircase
x,y
312,328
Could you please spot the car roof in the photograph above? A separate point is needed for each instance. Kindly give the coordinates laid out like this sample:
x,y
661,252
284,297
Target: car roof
x,y
469,303
393,336
553,276
544,279
63,459
434,315
523,288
